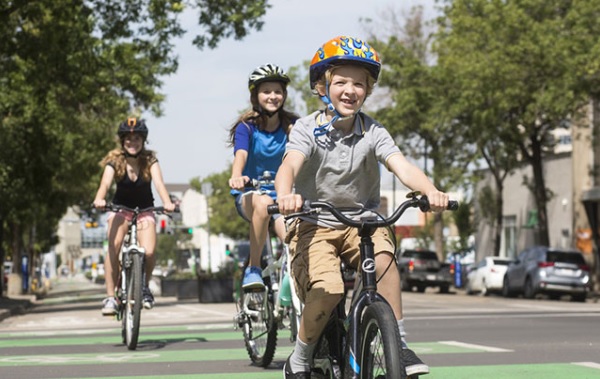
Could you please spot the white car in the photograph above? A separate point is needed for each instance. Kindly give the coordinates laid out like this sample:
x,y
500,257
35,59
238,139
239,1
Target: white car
x,y
487,275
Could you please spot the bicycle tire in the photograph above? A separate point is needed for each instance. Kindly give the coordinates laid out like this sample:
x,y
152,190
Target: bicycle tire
x,y
380,345
133,303
260,332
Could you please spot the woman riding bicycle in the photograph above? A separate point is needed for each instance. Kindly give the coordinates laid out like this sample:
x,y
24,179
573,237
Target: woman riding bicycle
x,y
134,169
258,138
334,155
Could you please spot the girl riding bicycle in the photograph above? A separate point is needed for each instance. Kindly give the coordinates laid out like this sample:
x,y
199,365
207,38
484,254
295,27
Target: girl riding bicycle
x,y
258,138
334,155
134,169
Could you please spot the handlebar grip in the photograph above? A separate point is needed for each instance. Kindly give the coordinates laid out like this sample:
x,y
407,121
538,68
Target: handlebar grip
x,y
252,183
452,205
273,209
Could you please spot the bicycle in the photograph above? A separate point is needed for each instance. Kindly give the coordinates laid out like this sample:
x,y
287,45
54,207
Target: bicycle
x,y
132,277
261,313
365,342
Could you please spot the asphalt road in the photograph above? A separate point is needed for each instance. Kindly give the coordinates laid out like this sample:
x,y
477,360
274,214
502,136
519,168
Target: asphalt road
x,y
458,336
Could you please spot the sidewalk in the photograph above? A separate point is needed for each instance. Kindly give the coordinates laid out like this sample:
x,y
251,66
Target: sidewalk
x,y
18,305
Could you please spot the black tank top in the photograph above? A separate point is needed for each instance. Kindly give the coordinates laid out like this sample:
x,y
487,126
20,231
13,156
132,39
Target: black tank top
x,y
134,194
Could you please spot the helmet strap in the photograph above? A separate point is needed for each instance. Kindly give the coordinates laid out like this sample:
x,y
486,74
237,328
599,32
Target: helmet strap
x,y
328,126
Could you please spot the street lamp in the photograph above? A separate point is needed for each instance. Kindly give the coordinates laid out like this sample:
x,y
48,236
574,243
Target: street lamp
x,y
207,191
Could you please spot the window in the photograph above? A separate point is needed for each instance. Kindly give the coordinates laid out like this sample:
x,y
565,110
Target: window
x,y
508,245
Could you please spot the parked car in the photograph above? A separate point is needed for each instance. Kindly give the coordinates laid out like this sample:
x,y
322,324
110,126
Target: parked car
x,y
487,275
422,269
547,270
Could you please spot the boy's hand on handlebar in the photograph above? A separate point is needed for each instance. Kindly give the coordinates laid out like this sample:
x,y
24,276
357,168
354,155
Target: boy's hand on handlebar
x,y
438,201
238,182
289,204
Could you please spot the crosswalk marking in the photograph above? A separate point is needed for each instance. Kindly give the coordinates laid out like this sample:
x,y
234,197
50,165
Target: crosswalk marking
x,y
588,364
476,347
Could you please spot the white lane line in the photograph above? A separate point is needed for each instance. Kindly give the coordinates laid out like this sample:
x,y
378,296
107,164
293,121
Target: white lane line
x,y
489,349
208,311
588,364
500,315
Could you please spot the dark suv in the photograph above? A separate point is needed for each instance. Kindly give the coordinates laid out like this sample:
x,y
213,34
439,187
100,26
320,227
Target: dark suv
x,y
547,270
421,269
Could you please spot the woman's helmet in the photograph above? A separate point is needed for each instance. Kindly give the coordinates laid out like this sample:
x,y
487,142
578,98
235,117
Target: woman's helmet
x,y
133,125
267,73
344,50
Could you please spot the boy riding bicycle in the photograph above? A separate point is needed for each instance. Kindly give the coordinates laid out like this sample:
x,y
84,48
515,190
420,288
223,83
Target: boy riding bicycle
x,y
334,155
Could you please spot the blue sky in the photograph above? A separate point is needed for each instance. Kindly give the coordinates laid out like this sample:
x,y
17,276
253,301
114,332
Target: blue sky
x,y
209,89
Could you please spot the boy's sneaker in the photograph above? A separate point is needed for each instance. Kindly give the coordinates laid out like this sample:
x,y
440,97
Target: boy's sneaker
x,y
110,307
412,363
287,372
148,298
252,278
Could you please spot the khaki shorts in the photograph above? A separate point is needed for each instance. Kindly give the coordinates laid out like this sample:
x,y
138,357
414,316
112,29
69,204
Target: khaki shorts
x,y
317,253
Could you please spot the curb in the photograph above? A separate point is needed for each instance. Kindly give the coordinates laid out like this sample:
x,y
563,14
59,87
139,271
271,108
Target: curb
x,y
15,307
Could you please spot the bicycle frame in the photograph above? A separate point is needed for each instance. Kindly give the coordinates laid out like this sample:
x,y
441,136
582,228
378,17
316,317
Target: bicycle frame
x,y
262,312
130,246
349,327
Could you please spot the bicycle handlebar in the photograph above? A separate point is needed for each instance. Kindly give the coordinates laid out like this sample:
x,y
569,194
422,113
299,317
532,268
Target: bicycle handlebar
x,y
311,207
116,207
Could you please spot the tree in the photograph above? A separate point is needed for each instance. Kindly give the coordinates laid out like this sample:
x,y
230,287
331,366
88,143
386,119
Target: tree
x,y
417,111
223,215
71,70
521,69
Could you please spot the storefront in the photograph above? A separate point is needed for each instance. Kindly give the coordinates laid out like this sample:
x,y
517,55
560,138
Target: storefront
x,y
591,203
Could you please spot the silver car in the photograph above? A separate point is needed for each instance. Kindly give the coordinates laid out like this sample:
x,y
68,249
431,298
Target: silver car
x,y
547,270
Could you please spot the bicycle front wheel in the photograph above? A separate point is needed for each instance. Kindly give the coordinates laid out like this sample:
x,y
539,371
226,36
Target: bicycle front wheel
x,y
259,327
133,305
380,346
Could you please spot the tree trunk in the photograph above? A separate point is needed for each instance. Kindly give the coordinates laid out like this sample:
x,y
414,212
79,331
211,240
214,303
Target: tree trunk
x,y
438,234
539,191
499,218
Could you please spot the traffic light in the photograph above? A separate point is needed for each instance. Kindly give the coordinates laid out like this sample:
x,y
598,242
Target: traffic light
x,y
91,224
190,230
163,226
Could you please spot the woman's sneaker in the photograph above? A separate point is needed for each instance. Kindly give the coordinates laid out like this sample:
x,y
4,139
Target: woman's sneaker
x,y
148,298
252,278
111,307
412,363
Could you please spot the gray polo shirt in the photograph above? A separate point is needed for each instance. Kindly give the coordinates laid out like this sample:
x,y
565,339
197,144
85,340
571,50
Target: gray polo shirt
x,y
341,169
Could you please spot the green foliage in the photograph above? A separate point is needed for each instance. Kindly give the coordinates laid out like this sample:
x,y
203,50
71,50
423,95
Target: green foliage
x,y
166,248
519,69
463,219
224,18
71,70
223,215
305,102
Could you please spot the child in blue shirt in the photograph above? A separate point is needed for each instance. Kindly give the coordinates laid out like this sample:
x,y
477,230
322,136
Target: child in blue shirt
x,y
258,138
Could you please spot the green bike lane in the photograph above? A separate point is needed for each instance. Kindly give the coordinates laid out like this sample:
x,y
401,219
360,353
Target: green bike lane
x,y
220,350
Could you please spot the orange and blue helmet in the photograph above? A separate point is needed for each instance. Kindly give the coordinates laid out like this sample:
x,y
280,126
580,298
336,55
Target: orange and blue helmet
x,y
344,50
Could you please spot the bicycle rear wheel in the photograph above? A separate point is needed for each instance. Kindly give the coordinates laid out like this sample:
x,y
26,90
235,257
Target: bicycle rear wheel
x,y
259,327
132,308
380,345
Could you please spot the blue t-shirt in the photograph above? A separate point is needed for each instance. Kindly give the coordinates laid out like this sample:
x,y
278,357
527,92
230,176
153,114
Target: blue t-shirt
x,y
265,151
